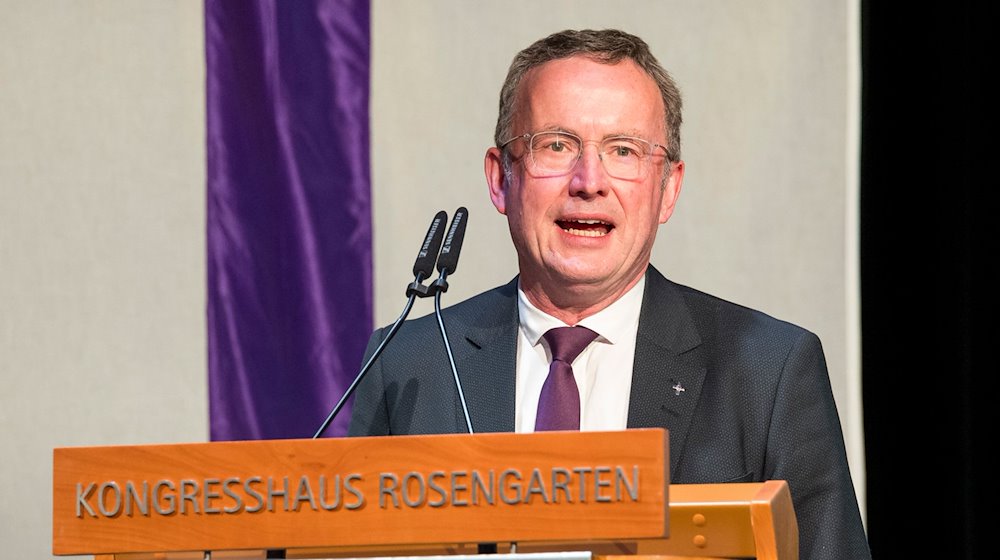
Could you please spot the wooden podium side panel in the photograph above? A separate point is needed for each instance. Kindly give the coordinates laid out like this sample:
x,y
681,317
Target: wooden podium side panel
x,y
360,491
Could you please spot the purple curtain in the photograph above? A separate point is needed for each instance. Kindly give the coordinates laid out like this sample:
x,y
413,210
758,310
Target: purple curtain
x,y
288,211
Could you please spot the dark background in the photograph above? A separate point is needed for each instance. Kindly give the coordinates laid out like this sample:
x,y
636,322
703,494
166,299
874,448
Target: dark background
x,y
929,277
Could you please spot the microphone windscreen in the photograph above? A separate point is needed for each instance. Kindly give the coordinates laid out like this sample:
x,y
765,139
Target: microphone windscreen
x,y
424,265
448,260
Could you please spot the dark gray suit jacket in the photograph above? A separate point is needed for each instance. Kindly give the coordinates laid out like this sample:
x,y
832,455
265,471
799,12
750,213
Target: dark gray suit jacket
x,y
756,405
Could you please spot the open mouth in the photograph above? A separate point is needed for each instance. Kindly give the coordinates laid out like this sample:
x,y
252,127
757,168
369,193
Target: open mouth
x,y
585,228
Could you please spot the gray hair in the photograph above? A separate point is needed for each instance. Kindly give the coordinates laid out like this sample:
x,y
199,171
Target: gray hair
x,y
608,46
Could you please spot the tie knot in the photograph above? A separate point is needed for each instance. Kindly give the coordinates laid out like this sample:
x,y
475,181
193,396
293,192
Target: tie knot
x,y
566,343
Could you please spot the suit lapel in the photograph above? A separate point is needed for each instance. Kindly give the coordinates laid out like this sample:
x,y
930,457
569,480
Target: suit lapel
x,y
668,371
486,364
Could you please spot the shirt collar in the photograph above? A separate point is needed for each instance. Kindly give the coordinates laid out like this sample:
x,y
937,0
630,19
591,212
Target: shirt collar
x,y
609,323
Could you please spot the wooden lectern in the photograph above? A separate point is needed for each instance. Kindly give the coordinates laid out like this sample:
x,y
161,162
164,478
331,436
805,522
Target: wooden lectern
x,y
602,492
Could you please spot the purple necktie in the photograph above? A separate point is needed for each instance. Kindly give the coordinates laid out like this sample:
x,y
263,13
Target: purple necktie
x,y
559,403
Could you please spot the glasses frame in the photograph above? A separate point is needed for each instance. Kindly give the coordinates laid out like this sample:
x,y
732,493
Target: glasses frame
x,y
529,138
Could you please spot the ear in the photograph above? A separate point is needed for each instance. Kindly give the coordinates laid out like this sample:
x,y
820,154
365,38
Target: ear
x,y
496,179
671,190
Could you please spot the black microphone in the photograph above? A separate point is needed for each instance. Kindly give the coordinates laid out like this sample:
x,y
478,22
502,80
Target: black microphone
x,y
448,259
447,263
422,269
428,254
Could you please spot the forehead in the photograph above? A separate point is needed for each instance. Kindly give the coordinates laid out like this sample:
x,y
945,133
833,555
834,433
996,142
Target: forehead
x,y
589,97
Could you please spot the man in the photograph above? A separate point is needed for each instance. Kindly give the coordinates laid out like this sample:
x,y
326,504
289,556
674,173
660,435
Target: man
x,y
586,167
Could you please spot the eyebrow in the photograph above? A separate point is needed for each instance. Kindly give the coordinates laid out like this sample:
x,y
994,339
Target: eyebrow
x,y
632,133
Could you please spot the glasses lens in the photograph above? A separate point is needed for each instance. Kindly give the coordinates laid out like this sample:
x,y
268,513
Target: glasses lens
x,y
554,153
624,157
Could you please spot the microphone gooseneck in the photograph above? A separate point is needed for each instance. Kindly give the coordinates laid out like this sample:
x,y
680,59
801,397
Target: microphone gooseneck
x,y
446,264
422,269
378,351
451,361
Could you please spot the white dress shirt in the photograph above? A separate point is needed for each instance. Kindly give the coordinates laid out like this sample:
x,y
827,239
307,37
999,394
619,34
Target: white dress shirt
x,y
603,371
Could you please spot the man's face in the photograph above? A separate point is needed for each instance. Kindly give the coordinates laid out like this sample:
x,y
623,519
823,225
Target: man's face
x,y
565,257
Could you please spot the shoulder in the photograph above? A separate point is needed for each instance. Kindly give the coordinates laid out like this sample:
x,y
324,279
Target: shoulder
x,y
685,318
710,313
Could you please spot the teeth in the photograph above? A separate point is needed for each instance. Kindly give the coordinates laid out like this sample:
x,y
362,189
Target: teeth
x,y
587,232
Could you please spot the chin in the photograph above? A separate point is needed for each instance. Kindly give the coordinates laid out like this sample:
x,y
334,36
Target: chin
x,y
578,274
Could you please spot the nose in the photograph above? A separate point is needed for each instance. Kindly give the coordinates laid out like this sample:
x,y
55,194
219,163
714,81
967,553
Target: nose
x,y
589,178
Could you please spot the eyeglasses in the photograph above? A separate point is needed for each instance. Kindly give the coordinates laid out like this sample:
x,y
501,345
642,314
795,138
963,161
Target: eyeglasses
x,y
553,154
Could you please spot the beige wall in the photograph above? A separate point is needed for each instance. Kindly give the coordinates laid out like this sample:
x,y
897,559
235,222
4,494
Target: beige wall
x,y
102,260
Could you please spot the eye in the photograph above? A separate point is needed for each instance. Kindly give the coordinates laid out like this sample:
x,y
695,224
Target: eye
x,y
555,143
625,148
